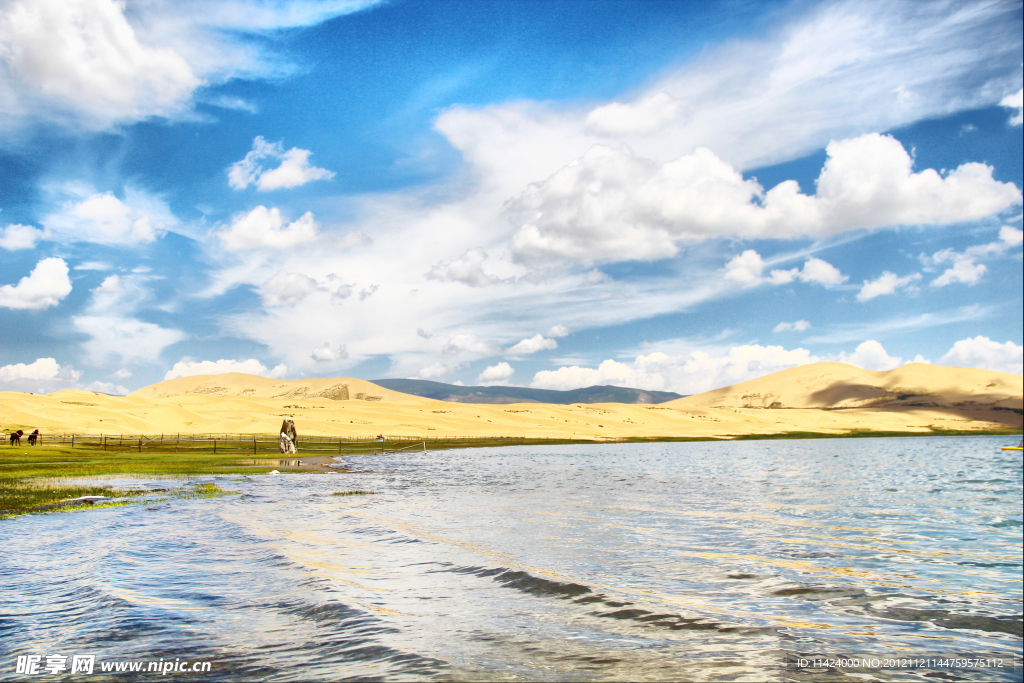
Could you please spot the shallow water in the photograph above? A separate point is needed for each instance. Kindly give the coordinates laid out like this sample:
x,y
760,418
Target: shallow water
x,y
672,561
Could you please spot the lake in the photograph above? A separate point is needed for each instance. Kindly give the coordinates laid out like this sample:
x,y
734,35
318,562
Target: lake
x,y
747,560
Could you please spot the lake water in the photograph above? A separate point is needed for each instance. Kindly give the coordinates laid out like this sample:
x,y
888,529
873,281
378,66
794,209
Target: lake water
x,y
664,561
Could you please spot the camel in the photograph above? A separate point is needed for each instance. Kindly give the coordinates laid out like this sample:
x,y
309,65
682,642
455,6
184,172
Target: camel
x,y
289,437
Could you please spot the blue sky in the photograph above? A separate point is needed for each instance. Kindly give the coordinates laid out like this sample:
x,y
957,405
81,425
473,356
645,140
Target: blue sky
x,y
667,195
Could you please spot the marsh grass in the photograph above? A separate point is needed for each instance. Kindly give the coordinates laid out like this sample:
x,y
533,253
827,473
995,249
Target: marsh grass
x,y
354,493
62,461
27,496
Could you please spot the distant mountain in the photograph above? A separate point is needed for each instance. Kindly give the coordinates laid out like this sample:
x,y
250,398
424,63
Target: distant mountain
x,y
457,394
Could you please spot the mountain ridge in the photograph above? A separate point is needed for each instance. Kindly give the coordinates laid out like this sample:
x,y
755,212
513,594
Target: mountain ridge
x,y
453,393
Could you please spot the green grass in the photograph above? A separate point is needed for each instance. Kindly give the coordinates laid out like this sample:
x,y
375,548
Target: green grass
x,y
60,461
27,496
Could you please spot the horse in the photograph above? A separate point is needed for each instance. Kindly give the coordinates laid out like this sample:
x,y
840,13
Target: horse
x,y
16,437
34,437
289,438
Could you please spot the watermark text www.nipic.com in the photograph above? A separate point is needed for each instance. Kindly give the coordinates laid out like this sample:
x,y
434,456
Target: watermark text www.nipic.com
x,y
51,665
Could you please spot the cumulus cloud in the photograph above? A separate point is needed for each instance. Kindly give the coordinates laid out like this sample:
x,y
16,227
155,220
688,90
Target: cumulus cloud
x,y
15,237
1015,101
870,355
107,388
436,371
558,331
91,64
327,353
41,376
188,367
531,345
116,336
647,115
611,205
704,369
798,326
102,218
747,269
468,343
45,286
886,283
293,170
287,289
264,228
964,267
982,352
496,375
467,269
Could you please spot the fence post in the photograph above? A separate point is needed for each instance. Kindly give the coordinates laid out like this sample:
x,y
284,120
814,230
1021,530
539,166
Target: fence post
x,y
215,445
72,440
104,441
140,444
254,444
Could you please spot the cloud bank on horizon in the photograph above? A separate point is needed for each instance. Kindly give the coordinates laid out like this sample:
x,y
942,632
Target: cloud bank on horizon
x,y
279,188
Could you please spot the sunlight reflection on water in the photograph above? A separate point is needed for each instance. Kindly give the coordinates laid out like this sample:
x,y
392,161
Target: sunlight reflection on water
x,y
625,561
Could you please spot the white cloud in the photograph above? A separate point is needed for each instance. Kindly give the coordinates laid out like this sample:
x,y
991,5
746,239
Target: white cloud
x,y
287,289
292,171
467,269
45,286
15,237
107,388
1015,101
82,57
102,218
558,331
704,369
798,326
187,367
747,269
611,205
115,336
327,353
264,228
964,267
870,355
465,342
531,345
982,352
686,373
496,375
88,63
42,376
886,283
648,115
436,371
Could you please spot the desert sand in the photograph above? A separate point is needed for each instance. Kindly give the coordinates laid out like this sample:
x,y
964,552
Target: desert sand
x,y
829,398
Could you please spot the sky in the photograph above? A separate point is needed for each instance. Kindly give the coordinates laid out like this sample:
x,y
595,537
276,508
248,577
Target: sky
x,y
666,195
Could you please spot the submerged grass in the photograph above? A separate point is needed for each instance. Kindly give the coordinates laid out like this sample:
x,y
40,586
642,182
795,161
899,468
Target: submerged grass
x,y
27,496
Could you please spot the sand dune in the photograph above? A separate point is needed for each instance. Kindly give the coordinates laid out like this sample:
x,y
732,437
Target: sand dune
x,y
824,397
836,385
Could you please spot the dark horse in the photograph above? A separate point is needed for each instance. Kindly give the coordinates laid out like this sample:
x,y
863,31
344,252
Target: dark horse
x,y
16,437
33,438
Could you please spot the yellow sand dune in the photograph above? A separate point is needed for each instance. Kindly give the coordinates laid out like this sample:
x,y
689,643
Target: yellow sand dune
x,y
836,385
823,397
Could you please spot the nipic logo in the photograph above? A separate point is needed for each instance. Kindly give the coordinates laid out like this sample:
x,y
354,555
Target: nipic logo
x,y
38,665
32,665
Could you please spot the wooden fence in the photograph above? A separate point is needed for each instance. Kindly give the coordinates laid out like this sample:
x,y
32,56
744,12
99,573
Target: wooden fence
x,y
255,444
